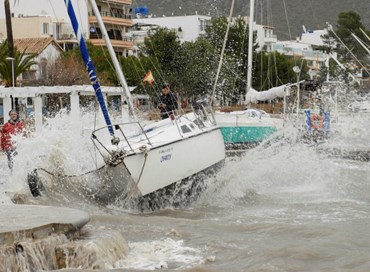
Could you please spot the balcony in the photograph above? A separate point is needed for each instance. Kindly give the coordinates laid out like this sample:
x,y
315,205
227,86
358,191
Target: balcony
x,y
65,36
123,2
118,44
112,18
270,39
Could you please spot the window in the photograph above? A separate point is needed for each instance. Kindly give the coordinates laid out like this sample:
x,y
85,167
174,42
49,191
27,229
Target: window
x,y
43,68
185,129
45,28
202,25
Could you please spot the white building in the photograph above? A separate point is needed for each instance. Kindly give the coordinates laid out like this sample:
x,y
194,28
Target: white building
x,y
314,37
265,37
188,28
305,47
297,49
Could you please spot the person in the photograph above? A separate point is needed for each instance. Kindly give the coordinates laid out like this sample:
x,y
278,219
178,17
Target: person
x,y
168,102
13,127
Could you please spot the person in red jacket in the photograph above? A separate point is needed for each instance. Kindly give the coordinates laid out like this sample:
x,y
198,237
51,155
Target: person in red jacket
x,y
13,127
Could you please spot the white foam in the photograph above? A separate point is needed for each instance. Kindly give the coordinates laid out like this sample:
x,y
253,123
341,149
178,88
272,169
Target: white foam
x,y
159,254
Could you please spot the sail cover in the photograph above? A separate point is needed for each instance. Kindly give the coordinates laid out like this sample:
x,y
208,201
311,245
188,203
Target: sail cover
x,y
253,96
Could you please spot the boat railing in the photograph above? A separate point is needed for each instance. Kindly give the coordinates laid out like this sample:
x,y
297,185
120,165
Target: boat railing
x,y
99,136
204,112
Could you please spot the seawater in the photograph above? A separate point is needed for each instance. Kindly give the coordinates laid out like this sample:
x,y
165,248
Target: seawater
x,y
282,206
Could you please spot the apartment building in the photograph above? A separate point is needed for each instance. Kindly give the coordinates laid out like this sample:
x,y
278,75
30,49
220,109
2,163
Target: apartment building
x,y
190,27
28,27
117,20
115,14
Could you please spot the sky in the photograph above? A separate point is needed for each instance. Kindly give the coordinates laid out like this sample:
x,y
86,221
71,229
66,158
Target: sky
x,y
55,8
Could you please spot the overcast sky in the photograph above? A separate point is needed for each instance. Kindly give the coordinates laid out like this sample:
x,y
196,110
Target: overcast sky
x,y
55,8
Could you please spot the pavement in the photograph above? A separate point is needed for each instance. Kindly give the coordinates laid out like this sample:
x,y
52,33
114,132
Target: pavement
x,y
18,222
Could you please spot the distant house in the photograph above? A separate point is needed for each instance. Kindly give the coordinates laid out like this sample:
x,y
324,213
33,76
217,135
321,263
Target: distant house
x,y
47,51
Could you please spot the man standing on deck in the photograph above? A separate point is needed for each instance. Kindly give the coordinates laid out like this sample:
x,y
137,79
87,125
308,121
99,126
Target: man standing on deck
x,y
13,127
168,102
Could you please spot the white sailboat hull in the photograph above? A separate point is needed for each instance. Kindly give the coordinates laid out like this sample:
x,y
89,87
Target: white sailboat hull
x,y
174,162
164,153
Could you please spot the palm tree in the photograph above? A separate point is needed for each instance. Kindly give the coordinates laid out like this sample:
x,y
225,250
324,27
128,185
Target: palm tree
x,y
22,63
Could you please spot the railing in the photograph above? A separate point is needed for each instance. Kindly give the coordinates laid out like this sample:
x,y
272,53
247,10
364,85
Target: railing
x,y
123,137
112,37
113,14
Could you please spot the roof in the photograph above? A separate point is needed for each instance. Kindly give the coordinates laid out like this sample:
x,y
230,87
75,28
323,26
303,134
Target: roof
x,y
34,45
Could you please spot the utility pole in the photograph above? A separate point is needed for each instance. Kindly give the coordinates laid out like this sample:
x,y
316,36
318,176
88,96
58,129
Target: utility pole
x,y
9,33
9,28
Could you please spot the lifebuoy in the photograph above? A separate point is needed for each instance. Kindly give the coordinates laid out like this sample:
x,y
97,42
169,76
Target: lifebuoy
x,y
316,121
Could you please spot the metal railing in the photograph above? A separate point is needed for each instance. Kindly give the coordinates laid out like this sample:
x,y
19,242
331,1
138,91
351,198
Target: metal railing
x,y
113,15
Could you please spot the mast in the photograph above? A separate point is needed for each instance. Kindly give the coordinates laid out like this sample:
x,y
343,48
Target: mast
x,y
113,56
89,65
250,46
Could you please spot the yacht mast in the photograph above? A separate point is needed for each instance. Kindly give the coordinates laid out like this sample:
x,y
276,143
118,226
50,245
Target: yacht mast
x,y
113,56
89,64
250,45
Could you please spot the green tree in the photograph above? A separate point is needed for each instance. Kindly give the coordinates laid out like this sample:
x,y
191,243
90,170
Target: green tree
x,y
164,45
135,69
22,63
199,63
233,72
101,59
348,23
274,69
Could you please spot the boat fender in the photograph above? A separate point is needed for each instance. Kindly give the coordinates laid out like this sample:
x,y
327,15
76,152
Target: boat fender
x,y
316,121
35,184
18,248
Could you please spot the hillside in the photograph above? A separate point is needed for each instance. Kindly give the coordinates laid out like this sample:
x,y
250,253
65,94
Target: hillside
x,y
313,14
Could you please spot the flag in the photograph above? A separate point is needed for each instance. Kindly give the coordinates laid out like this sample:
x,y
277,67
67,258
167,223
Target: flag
x,y
149,78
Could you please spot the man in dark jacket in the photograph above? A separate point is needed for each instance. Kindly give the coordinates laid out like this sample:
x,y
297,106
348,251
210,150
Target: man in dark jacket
x,y
168,102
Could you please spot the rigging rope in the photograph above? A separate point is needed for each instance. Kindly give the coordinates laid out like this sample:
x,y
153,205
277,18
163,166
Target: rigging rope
x,y
287,20
223,50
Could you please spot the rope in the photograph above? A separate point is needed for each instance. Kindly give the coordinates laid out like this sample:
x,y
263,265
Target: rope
x,y
287,20
145,152
65,176
222,51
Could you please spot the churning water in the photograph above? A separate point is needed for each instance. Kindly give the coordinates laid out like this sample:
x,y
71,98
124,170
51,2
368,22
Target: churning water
x,y
282,206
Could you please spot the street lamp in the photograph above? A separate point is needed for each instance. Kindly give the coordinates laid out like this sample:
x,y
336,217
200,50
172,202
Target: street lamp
x,y
13,81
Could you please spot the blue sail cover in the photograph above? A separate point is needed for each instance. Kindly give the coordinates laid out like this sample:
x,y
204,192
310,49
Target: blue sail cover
x,y
308,120
141,10
326,124
89,65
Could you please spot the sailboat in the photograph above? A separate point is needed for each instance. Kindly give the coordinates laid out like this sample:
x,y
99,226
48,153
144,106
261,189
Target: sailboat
x,y
142,159
250,126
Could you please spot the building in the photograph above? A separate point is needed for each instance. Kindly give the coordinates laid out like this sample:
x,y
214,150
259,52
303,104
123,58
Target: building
x,y
315,59
265,37
188,28
117,20
47,51
115,14
314,37
28,27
